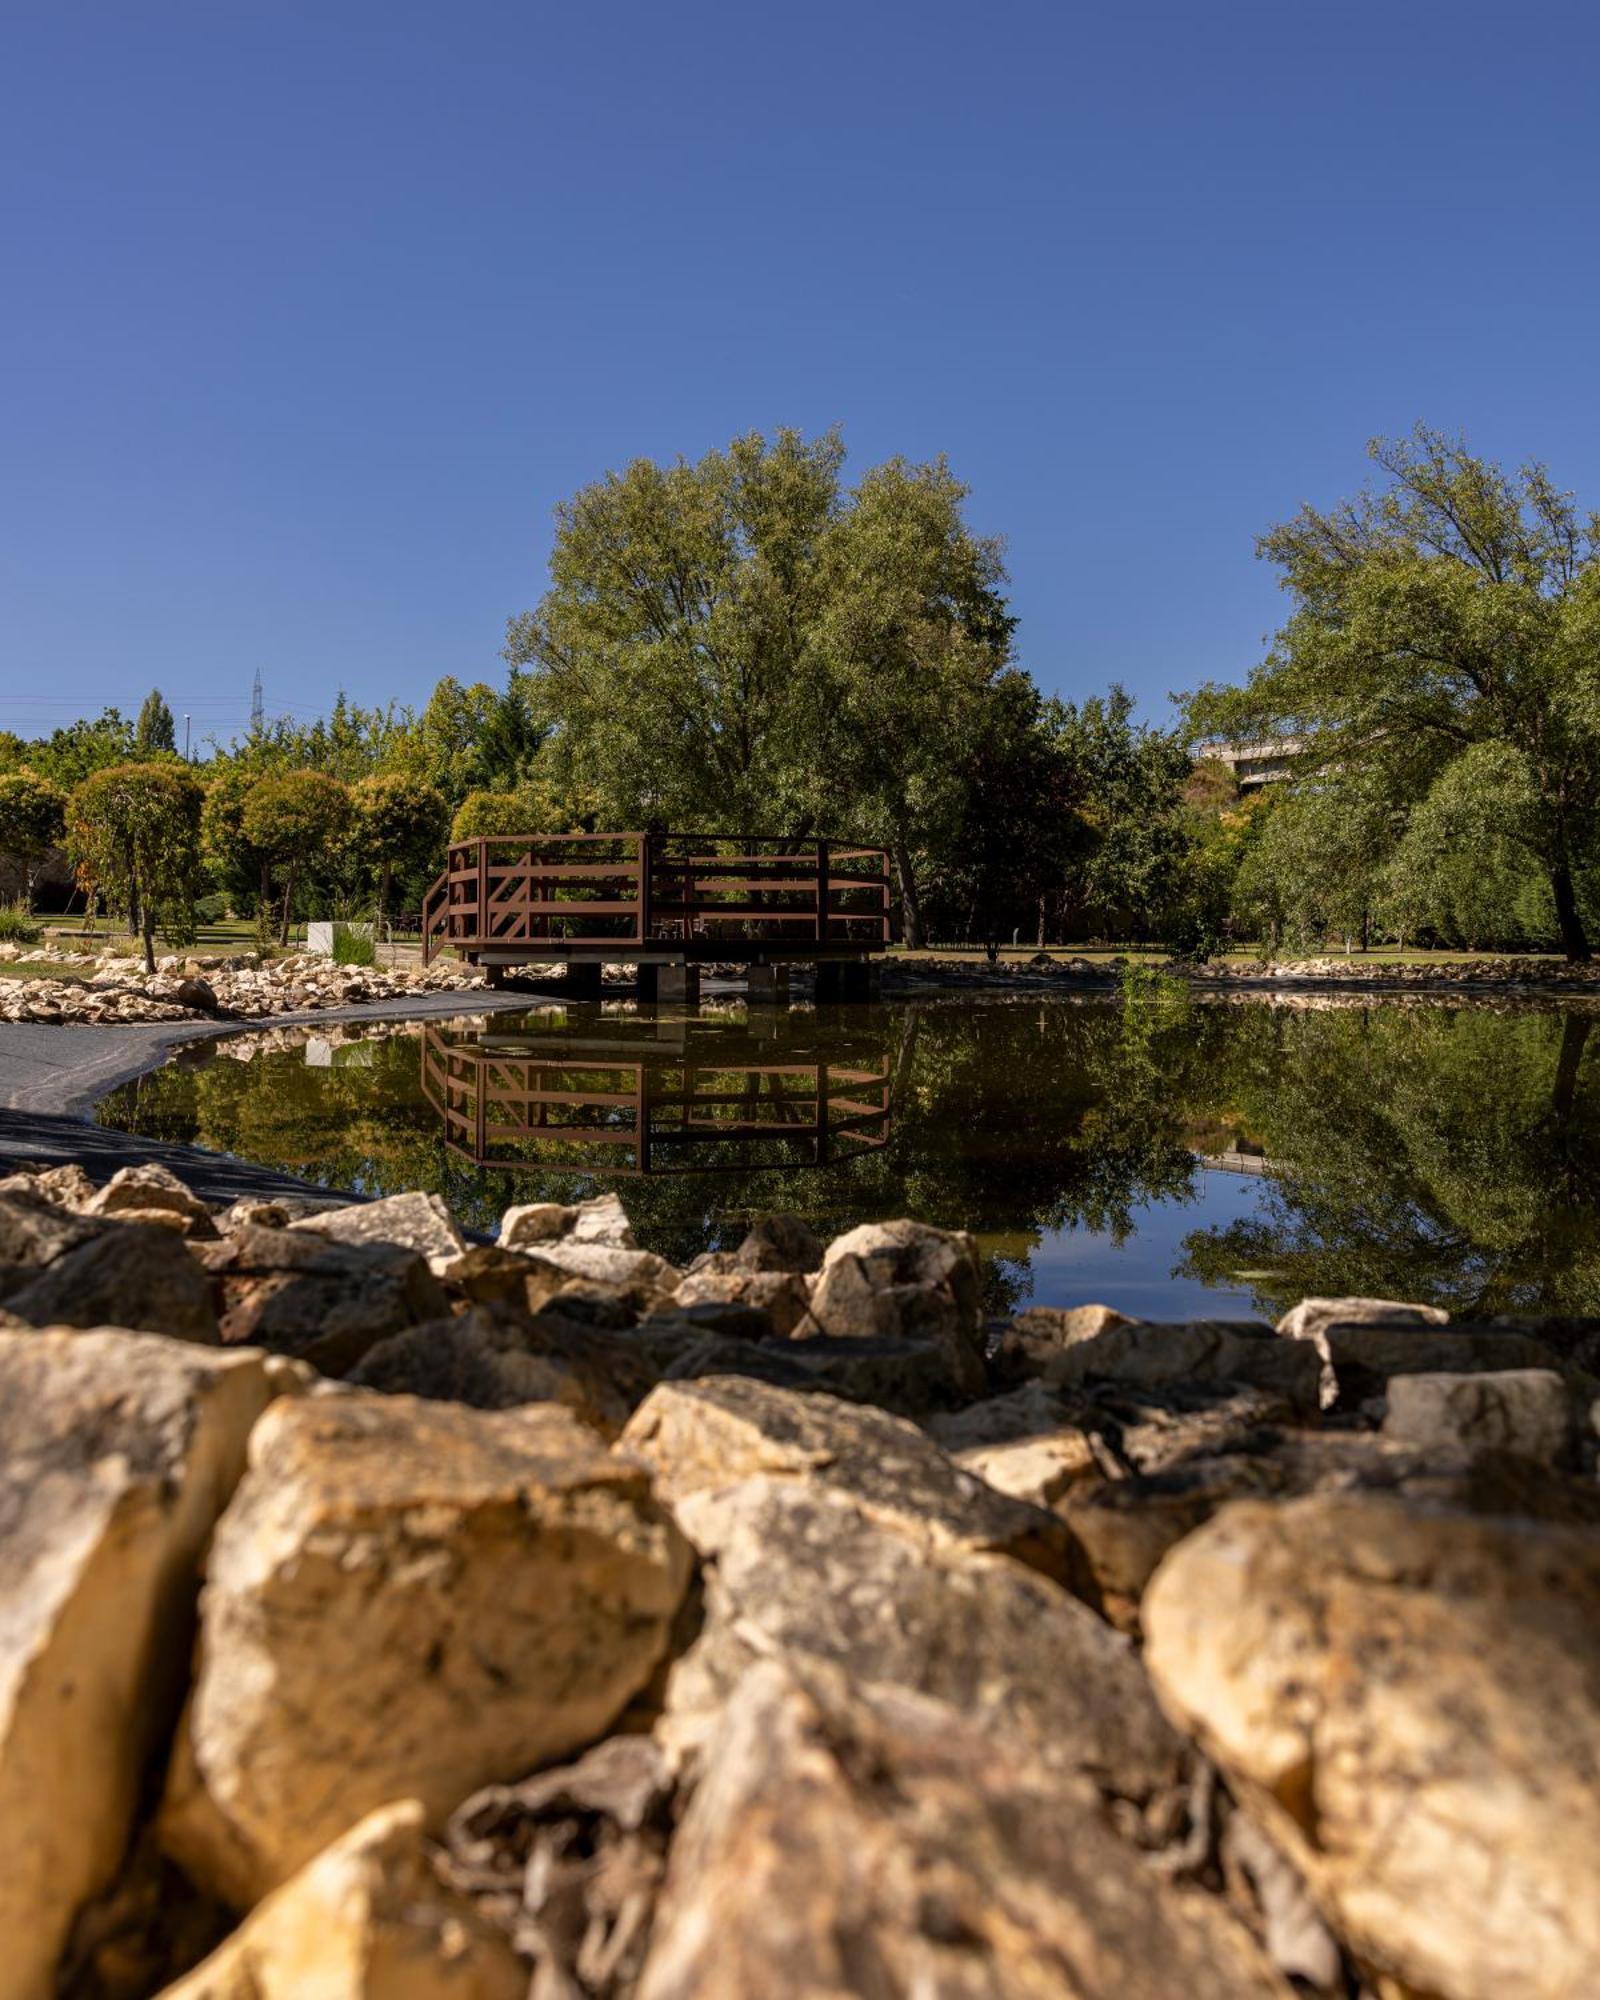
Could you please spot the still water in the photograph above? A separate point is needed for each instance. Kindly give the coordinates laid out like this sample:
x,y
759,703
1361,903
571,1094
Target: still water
x,y
1165,1157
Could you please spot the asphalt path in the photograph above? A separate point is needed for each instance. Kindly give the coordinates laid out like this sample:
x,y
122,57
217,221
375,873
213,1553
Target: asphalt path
x,y
52,1076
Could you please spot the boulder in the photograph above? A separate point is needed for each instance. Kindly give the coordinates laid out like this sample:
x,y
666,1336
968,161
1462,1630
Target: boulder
x,y
799,1570
499,1360
714,1432
1137,1354
416,1221
149,1190
1035,1336
1363,1356
125,1274
34,1231
117,1453
68,1186
782,1298
533,1224
1527,1411
301,1294
602,1220
913,1378
1024,1443
407,1599
1311,1319
1410,1699
904,1281
843,1842
781,1243
366,1919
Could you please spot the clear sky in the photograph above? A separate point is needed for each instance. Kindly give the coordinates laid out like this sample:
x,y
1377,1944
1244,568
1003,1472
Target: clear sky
x,y
311,312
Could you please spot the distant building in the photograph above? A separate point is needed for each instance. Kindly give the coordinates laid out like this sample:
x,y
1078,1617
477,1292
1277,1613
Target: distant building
x,y
1254,764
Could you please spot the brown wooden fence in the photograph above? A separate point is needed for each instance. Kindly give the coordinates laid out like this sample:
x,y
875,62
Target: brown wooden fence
x,y
707,896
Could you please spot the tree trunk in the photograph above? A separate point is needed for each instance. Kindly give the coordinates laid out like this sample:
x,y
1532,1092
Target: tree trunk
x,y
1563,1096
1041,924
148,934
1574,938
910,901
288,904
385,879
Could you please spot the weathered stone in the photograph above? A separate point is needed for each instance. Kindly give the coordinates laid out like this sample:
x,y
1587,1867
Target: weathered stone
x,y
125,1275
495,1360
367,1919
888,1846
1141,1355
781,1297
407,1598
301,1294
781,1243
602,1220
1363,1357
913,1378
1032,1339
719,1430
34,1231
117,1453
904,1281
1023,1443
1411,1699
198,994
68,1186
416,1221
639,1276
1523,1410
533,1224
138,1191
798,1568
1311,1319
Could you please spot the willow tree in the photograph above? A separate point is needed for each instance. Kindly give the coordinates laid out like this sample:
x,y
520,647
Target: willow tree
x,y
133,832
1455,608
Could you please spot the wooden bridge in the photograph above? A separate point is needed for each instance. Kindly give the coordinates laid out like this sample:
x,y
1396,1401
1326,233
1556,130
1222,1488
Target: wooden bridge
x,y
724,1102
666,902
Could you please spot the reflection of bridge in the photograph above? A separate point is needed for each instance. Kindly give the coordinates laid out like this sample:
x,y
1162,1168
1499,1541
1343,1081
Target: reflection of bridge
x,y
1255,1166
666,902
638,1097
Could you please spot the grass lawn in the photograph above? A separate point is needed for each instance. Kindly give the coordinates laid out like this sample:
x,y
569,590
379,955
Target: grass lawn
x,y
1158,954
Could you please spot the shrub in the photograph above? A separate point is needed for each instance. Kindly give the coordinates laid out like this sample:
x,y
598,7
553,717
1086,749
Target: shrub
x,y
352,947
212,909
17,927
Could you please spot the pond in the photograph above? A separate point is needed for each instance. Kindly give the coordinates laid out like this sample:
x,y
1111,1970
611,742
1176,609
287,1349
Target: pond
x,y
1167,1157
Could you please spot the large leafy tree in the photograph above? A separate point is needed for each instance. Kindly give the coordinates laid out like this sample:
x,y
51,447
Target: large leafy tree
x,y
401,824
1129,869
294,821
1455,607
32,822
743,645
133,831
67,756
154,731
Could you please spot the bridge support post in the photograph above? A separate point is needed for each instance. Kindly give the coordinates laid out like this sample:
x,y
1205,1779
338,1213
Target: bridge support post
x,y
678,985
583,979
767,985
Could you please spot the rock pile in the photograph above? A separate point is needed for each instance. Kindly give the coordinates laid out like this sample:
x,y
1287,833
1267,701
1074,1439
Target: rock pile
x,y
243,987
387,1616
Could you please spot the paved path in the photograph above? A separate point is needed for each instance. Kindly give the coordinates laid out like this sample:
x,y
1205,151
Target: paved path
x,y
50,1078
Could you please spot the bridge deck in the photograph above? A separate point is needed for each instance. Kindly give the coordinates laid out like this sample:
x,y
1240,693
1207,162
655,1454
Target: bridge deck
x,y
658,897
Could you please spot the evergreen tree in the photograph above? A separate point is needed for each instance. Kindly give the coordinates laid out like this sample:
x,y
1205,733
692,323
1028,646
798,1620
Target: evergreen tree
x,y
154,731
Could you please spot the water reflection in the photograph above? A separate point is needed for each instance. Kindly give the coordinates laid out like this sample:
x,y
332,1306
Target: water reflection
x,y
641,1093
1165,1158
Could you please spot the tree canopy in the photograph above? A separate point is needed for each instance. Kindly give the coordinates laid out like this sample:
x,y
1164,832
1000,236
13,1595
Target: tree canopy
x,y
154,731
133,831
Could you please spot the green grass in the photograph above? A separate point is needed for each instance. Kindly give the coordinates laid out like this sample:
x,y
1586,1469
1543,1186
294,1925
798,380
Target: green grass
x,y
1105,954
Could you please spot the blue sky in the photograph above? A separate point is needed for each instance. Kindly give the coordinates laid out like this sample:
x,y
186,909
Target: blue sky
x,y
311,313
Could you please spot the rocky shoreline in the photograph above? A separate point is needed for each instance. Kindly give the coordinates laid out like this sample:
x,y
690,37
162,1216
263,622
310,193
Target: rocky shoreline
x,y
385,1615
1509,976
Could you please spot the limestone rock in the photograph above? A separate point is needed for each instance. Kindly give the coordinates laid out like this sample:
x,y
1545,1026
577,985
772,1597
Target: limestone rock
x,y
782,1298
602,1220
1036,1335
781,1243
300,1294
1523,1410
416,1221
366,1919
534,1223
68,1186
499,1360
638,1276
1411,1698
125,1274
1311,1319
1363,1357
714,1432
847,1844
1141,1355
117,1453
913,1378
904,1280
800,1570
152,1188
34,1231
407,1598
1024,1443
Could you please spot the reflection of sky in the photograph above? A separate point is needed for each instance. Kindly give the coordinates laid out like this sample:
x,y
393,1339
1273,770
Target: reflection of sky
x,y
1074,1267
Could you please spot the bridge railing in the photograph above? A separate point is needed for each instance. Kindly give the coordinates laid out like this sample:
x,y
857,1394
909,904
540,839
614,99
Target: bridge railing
x,y
594,890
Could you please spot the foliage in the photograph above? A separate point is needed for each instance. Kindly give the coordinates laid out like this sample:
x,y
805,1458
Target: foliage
x,y
67,756
17,927
133,831
1129,868
401,823
292,820
154,731
1456,609
353,947
32,822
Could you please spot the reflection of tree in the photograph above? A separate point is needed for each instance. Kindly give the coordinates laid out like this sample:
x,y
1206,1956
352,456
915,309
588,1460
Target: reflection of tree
x,y
1441,1153
1445,1154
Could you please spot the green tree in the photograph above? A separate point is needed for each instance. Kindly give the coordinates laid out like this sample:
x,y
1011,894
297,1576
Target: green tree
x,y
1128,871
154,731
67,756
133,831
32,822
294,821
401,823
1457,607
